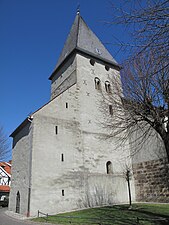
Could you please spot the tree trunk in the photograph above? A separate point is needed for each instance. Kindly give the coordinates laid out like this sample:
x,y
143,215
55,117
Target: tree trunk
x,y
129,190
128,183
166,144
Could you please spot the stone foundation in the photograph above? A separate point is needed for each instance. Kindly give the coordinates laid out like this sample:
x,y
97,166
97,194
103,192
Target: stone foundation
x,y
152,181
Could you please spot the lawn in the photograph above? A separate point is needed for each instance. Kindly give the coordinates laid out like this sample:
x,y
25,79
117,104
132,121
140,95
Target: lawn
x,y
118,214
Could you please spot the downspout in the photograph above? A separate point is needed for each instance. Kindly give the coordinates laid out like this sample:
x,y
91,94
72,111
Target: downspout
x,y
30,118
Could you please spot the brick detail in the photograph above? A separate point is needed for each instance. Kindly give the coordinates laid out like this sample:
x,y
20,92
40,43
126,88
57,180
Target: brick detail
x,y
152,181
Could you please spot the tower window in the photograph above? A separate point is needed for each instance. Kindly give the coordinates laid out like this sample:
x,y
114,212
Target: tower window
x,y
66,105
92,62
107,67
97,83
62,157
109,167
107,86
56,130
63,192
110,109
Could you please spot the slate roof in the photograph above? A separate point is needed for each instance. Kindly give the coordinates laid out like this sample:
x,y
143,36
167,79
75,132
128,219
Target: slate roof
x,y
82,38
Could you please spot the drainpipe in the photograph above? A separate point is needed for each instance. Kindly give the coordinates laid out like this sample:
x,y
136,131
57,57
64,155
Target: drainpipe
x,y
30,118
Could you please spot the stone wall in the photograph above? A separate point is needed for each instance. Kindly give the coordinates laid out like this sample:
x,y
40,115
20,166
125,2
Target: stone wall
x,y
64,78
152,181
21,168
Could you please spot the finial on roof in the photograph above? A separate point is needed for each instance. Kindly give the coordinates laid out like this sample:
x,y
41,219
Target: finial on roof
x,y
78,9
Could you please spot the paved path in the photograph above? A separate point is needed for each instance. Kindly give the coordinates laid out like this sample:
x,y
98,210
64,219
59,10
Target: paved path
x,y
8,218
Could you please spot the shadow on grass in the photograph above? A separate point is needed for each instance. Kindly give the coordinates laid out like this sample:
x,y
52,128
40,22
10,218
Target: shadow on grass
x,y
119,215
144,215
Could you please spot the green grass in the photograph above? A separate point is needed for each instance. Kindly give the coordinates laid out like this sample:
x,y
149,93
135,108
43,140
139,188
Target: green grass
x,y
118,214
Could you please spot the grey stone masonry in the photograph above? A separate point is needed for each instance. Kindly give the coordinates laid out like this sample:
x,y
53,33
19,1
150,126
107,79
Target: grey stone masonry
x,y
152,180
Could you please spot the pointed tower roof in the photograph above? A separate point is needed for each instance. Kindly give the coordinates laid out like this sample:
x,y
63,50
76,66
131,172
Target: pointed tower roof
x,y
82,39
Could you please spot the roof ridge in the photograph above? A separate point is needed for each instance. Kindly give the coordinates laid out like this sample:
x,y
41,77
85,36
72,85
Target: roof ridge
x,y
77,35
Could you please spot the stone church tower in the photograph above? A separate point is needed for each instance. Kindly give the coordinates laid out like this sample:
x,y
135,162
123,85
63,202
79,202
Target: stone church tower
x,y
61,158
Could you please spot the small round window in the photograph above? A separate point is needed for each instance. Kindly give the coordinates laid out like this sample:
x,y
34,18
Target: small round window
x,y
92,62
107,67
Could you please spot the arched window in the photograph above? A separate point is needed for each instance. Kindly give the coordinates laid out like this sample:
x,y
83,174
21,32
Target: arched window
x,y
109,167
18,202
97,83
92,62
107,86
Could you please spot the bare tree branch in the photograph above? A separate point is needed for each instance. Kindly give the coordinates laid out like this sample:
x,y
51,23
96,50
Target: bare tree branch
x,y
4,145
141,109
148,24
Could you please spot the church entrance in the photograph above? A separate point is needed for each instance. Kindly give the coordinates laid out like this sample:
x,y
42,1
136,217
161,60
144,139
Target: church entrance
x,y
18,202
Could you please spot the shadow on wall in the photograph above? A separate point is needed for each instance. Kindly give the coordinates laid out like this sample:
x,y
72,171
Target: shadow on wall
x,y
23,131
98,194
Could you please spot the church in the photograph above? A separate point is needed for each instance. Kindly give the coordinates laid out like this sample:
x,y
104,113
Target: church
x,y
62,160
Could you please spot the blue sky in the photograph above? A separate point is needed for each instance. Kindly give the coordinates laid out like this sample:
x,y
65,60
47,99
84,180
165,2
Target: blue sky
x,y
32,35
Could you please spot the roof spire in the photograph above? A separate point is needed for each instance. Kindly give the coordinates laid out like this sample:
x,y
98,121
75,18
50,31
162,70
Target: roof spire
x,y
78,9
82,39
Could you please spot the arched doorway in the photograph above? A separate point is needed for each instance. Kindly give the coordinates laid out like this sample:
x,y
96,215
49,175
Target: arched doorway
x,y
18,202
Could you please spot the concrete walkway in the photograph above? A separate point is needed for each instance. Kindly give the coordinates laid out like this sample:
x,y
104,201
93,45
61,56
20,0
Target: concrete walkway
x,y
10,218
